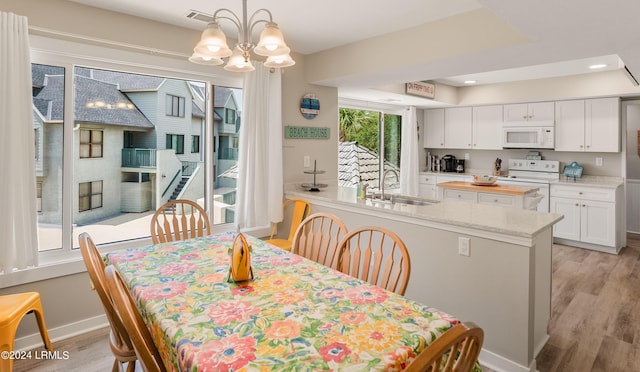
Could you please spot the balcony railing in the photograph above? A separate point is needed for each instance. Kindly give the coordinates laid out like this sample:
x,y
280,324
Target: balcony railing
x,y
227,153
138,158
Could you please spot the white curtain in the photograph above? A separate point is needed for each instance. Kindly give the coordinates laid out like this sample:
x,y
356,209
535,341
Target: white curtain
x,y
18,223
409,156
260,187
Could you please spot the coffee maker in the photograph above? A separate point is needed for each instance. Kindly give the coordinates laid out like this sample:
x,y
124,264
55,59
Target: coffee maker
x,y
448,163
460,165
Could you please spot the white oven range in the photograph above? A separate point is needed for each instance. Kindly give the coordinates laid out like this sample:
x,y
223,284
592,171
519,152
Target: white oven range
x,y
533,173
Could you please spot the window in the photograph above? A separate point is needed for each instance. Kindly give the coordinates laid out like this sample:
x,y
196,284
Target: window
x,y
195,144
375,137
176,142
90,143
90,196
175,106
229,116
100,170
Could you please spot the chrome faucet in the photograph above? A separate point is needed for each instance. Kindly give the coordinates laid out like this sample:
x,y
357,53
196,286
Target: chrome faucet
x,y
384,177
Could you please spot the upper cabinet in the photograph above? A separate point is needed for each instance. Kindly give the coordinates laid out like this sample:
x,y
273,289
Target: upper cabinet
x,y
457,127
434,128
464,128
487,127
537,111
591,125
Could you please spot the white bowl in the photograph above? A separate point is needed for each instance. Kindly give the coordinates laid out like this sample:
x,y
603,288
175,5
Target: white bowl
x,y
484,179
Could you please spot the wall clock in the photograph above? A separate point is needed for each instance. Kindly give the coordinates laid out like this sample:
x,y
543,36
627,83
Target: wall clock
x,y
309,106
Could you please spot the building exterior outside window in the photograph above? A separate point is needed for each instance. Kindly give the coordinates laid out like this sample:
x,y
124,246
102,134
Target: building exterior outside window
x,y
90,143
176,142
90,195
195,144
175,106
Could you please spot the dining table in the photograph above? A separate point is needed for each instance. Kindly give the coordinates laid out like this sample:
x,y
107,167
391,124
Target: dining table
x,y
295,315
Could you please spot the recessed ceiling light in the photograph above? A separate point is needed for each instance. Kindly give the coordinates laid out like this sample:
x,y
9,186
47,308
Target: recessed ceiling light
x,y
470,81
597,66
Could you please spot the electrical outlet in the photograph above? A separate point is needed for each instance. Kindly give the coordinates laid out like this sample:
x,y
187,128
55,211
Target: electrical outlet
x,y
464,248
599,162
466,156
307,161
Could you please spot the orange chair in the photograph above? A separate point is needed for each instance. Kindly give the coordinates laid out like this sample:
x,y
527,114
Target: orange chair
x,y
301,209
13,308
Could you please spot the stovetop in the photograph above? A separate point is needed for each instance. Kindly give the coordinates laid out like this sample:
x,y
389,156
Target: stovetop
x,y
537,171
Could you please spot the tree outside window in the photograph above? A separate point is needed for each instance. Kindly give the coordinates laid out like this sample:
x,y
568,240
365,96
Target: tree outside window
x,y
374,141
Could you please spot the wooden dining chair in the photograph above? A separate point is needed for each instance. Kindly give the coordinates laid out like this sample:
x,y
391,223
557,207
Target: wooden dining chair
x,y
179,219
456,350
376,255
317,238
146,350
121,346
299,209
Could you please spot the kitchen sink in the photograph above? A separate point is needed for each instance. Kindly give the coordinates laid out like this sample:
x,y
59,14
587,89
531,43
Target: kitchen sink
x,y
400,199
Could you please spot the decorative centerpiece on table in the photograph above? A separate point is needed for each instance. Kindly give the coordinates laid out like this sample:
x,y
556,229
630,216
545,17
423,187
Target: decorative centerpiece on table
x,y
240,253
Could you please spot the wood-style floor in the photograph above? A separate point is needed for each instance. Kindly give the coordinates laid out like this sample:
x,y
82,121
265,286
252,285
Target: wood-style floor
x,y
595,318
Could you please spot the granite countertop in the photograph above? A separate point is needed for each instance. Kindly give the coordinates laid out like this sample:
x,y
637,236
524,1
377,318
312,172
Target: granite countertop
x,y
488,218
592,181
495,188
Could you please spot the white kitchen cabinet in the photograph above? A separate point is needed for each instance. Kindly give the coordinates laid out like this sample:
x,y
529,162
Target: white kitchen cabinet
x,y
458,127
500,200
427,186
434,128
487,127
591,125
525,112
590,216
602,125
461,195
447,177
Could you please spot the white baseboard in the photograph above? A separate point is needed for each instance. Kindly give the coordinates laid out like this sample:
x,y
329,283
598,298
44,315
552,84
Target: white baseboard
x,y
61,333
501,364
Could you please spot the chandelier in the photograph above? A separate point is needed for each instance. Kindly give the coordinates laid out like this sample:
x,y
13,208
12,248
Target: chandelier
x,y
212,47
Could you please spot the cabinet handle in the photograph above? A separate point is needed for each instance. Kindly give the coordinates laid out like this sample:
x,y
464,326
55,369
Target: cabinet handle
x,y
580,192
577,205
495,201
524,117
583,205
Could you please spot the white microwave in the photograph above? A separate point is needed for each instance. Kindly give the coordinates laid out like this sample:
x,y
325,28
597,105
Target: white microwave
x,y
528,136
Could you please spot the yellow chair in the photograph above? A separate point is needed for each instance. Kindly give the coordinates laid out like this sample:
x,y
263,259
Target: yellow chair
x,y
301,209
13,308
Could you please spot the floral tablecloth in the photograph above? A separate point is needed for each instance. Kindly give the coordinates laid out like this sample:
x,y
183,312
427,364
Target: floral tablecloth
x,y
295,315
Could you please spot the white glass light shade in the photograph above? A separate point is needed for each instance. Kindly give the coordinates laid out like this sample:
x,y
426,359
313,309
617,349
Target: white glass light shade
x,y
284,60
271,42
205,60
238,63
213,43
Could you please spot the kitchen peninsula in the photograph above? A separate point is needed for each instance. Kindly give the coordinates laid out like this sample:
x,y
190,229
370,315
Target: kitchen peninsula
x,y
503,281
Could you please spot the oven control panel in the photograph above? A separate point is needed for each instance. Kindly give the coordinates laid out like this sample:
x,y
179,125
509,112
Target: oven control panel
x,y
551,166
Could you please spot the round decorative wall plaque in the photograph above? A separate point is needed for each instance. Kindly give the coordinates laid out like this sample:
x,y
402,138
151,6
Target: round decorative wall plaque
x,y
309,106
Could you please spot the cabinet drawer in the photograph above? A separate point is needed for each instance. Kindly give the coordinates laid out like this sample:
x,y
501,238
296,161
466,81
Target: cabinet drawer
x,y
460,195
427,180
587,193
495,199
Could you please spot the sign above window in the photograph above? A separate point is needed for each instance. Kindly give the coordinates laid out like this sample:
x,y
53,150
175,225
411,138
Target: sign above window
x,y
291,132
421,89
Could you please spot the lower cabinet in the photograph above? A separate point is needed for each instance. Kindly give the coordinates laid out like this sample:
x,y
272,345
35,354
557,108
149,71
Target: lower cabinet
x,y
427,186
591,216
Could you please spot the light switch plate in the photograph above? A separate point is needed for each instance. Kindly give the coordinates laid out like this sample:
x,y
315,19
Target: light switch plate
x,y
463,246
307,161
598,161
